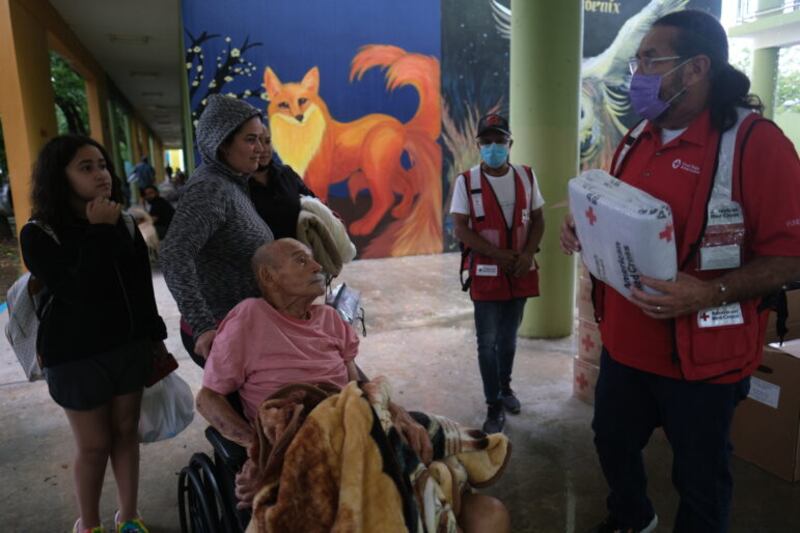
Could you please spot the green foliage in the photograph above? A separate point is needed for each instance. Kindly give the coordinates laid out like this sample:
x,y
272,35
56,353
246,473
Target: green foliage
x,y
788,92
72,110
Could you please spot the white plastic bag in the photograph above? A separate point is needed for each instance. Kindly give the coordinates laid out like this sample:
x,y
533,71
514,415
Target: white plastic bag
x,y
23,325
167,409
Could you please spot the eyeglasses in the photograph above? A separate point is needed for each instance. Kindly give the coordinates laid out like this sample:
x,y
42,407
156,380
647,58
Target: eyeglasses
x,y
646,63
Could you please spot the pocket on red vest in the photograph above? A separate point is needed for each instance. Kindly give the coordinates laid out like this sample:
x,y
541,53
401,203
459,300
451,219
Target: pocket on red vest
x,y
527,285
488,279
711,351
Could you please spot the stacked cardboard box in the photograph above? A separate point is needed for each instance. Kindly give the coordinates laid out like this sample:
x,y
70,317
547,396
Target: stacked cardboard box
x,y
766,426
586,365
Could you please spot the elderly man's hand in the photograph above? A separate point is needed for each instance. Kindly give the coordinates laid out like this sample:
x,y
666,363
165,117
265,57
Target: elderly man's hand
x,y
412,432
683,296
248,483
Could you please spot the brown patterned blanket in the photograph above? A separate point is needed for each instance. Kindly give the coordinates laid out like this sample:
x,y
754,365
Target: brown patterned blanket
x,y
328,461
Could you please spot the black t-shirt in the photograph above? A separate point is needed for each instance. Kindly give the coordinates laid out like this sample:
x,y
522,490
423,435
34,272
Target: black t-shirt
x,y
101,286
278,202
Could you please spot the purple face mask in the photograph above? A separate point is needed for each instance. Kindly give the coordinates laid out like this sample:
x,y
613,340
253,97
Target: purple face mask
x,y
644,94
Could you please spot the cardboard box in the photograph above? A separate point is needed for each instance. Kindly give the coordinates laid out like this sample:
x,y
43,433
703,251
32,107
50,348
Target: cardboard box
x,y
583,272
584,380
792,322
766,425
624,231
584,299
590,344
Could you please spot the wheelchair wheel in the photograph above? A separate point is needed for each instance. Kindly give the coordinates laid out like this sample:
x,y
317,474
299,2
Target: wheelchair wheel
x,y
199,500
217,504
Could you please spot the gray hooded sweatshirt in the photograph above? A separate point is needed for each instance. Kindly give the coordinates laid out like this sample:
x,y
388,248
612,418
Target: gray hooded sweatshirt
x,y
216,230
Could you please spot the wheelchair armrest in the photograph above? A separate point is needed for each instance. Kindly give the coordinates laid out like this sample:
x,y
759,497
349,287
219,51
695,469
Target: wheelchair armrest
x,y
231,453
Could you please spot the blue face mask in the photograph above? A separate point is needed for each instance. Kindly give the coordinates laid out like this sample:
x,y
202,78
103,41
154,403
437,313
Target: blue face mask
x,y
494,155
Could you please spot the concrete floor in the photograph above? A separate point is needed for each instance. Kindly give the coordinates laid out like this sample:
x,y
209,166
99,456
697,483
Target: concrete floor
x,y
421,336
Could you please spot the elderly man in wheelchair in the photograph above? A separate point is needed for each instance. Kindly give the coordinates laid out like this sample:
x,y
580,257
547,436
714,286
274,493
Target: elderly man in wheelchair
x,y
318,447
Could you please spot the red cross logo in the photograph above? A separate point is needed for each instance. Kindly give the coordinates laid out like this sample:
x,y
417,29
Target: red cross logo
x,y
491,120
587,342
667,233
705,316
581,381
591,216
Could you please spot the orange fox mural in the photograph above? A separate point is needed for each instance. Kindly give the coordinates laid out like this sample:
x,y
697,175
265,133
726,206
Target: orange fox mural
x,y
367,152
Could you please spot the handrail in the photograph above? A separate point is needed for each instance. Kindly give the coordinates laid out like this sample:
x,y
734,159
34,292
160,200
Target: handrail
x,y
747,14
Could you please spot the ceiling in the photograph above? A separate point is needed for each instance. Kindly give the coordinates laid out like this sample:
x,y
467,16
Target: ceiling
x,y
138,44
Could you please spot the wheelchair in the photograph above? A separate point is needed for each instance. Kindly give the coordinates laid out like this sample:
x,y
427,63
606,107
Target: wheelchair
x,y
206,498
206,486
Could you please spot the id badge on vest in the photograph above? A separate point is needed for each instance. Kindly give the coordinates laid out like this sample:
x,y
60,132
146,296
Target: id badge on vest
x,y
487,271
726,315
721,247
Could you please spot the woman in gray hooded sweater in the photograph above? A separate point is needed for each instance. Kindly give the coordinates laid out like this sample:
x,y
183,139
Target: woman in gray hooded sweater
x,y
215,230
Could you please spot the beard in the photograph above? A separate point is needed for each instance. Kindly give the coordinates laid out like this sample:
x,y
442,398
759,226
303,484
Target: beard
x,y
673,92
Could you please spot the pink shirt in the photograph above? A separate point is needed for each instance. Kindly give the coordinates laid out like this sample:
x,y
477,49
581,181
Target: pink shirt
x,y
258,350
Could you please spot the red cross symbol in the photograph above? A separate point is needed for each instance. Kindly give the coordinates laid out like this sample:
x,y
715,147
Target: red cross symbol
x,y
667,233
582,382
587,342
492,120
705,316
591,216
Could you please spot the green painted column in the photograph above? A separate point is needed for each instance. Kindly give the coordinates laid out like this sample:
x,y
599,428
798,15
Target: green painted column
x,y
546,51
765,66
765,77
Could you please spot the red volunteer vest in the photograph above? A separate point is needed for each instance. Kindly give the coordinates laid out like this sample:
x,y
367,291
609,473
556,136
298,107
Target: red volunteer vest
x,y
707,353
488,281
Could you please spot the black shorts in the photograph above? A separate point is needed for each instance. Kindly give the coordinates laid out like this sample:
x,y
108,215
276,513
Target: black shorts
x,y
91,382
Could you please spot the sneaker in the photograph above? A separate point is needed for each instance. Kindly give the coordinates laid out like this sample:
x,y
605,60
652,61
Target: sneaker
x,y
131,526
77,528
510,401
495,418
610,525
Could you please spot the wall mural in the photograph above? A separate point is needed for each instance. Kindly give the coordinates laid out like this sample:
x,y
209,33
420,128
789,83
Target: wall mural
x,y
352,92
374,104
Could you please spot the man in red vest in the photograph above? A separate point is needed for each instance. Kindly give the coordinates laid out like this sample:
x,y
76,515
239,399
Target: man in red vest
x,y
497,212
682,359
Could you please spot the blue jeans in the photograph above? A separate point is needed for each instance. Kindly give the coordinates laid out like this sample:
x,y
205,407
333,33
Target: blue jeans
x,y
696,417
496,325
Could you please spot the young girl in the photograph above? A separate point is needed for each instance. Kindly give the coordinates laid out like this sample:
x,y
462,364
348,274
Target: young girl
x,y
101,327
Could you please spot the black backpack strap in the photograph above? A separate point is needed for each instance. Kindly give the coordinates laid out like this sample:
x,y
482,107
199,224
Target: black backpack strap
x,y
464,267
778,303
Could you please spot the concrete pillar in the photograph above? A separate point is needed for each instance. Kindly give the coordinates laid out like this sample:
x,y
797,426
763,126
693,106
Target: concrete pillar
x,y
765,67
546,50
158,159
27,104
136,144
97,103
765,77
